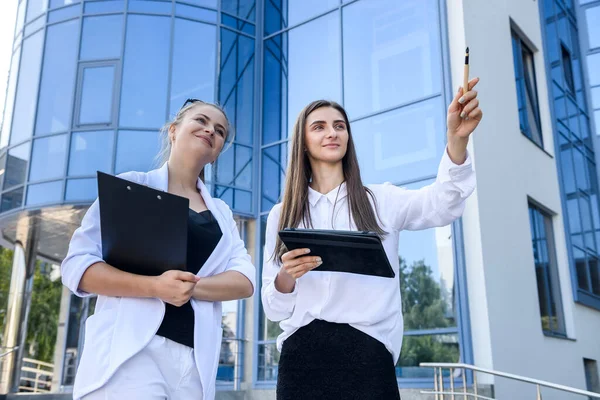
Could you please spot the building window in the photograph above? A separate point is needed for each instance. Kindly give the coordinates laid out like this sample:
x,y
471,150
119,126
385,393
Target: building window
x,y
546,271
575,151
567,68
592,379
96,94
527,99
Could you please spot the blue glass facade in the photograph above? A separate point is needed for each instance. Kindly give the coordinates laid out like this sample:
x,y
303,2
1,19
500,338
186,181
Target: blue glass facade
x,y
92,81
574,141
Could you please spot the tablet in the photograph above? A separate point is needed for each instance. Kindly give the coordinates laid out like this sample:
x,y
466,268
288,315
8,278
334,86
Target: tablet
x,y
342,251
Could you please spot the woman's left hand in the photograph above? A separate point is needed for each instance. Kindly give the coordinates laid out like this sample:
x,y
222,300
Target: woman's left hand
x,y
464,113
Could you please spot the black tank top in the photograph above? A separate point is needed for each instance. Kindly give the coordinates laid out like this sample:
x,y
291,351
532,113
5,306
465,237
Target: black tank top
x,y
203,235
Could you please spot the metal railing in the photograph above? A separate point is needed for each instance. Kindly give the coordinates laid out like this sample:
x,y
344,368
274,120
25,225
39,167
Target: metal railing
x,y
36,376
462,391
231,363
8,351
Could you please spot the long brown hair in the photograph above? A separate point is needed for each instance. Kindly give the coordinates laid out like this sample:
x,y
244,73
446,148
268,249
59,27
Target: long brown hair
x,y
295,207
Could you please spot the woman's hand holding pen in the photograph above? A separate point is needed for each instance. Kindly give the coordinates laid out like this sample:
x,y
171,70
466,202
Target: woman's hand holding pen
x,y
464,115
295,264
174,287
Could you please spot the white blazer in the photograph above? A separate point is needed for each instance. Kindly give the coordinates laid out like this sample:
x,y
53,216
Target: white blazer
x,y
122,326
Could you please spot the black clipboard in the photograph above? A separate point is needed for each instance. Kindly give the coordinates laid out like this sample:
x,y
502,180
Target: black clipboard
x,y
144,230
342,251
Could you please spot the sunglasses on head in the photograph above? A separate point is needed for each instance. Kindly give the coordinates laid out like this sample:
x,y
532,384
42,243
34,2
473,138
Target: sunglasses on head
x,y
191,101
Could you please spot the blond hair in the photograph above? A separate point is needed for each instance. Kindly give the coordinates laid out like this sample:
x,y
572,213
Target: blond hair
x,y
165,141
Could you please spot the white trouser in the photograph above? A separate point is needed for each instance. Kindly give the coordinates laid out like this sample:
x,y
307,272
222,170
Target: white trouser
x,y
162,370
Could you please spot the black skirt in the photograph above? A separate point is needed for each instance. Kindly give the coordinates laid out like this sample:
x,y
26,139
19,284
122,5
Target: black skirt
x,y
328,361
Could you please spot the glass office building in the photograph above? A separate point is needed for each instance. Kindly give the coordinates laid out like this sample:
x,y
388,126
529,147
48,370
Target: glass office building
x,y
91,83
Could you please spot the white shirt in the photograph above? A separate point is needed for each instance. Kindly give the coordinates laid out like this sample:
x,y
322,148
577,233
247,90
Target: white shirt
x,y
370,304
122,326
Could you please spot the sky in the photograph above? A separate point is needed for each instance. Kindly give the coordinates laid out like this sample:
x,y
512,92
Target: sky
x,y
8,14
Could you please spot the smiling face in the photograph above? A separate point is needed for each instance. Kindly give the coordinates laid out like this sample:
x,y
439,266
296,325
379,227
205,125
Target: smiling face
x,y
326,135
201,133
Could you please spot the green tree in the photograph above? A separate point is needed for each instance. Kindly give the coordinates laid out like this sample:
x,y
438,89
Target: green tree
x,y
425,306
6,256
43,316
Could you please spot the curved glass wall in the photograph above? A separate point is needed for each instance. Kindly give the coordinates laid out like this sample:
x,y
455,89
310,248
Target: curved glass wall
x,y
91,83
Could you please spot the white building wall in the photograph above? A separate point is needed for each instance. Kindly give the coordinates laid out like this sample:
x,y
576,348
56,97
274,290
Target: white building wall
x,y
502,288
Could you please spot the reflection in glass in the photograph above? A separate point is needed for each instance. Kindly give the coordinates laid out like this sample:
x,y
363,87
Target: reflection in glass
x,y
237,54
64,13
26,99
60,3
238,199
93,7
236,82
212,3
58,78
203,14
242,201
401,145
268,362
146,60
152,6
146,144
48,158
426,348
20,16
593,62
193,72
3,158
568,173
34,26
101,37
44,311
12,200
274,163
16,165
97,95
44,193
238,24
595,275
10,99
394,57
312,77
229,344
244,113
275,90
593,26
81,190
241,8
427,276
230,351
301,10
527,99
35,8
91,152
546,270
581,270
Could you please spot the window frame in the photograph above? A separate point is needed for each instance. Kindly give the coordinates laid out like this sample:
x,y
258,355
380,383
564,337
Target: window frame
x,y
529,86
551,271
116,84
